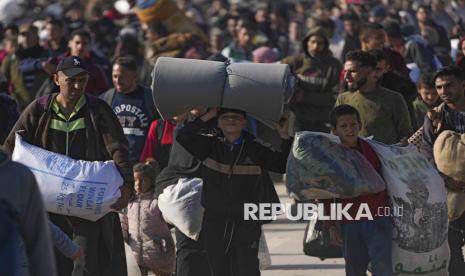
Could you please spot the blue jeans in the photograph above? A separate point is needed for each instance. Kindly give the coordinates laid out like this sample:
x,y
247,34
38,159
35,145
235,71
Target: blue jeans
x,y
368,242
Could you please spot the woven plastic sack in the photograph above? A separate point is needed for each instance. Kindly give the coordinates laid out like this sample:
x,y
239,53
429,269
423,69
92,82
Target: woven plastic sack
x,y
71,187
319,167
419,242
449,150
180,205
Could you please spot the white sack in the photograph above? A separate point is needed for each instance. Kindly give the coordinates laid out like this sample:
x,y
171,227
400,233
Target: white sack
x,y
71,187
180,205
419,244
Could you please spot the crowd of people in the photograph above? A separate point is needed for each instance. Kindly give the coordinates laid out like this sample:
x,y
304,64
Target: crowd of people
x,y
75,80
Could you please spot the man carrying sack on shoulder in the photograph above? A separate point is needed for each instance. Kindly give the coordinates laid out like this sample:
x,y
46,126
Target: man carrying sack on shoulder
x,y
81,127
440,128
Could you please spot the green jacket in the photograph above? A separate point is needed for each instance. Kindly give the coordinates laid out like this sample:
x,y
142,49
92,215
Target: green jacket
x,y
105,140
383,112
420,109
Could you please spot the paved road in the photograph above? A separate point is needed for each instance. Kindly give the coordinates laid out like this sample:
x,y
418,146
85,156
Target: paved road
x,y
284,239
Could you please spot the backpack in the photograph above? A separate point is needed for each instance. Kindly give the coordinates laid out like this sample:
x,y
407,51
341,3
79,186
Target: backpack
x,y
10,237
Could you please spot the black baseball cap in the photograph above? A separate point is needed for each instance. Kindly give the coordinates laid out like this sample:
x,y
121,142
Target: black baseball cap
x,y
71,66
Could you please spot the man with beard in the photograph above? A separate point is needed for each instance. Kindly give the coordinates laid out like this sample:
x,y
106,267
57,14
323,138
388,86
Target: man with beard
x,y
318,83
449,83
392,81
132,104
383,112
82,127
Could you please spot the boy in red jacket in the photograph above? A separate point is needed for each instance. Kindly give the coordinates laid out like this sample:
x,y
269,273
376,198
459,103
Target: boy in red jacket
x,y
363,241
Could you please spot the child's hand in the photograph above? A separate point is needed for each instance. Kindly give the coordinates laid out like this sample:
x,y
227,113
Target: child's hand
x,y
283,128
335,236
212,113
77,255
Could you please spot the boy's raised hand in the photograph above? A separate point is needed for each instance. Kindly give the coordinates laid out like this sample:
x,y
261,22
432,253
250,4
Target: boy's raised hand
x,y
212,113
283,128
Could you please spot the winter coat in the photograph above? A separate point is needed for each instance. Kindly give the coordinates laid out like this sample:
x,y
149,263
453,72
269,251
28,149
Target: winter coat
x,y
383,113
105,141
420,53
403,86
421,108
317,87
233,174
23,70
148,234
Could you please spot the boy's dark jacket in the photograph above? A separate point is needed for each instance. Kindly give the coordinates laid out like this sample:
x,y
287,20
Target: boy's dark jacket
x,y
233,174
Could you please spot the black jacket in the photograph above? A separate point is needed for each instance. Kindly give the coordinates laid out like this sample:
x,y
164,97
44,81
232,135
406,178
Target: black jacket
x,y
233,174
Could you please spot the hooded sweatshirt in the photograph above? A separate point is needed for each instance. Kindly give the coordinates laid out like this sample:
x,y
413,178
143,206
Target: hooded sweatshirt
x,y
317,87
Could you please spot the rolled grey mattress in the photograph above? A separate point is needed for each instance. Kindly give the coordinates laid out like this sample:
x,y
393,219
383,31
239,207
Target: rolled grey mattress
x,y
259,89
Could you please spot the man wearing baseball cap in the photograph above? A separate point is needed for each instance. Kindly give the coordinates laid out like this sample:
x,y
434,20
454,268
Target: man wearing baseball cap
x,y
82,127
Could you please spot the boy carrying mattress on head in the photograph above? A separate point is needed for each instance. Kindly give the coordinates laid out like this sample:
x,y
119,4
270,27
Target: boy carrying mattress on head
x,y
233,170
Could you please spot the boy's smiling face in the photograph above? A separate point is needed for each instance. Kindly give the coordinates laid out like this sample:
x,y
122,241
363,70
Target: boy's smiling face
x,y
347,129
231,122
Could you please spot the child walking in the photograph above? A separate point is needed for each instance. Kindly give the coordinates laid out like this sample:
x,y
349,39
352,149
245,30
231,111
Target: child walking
x,y
363,241
144,228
